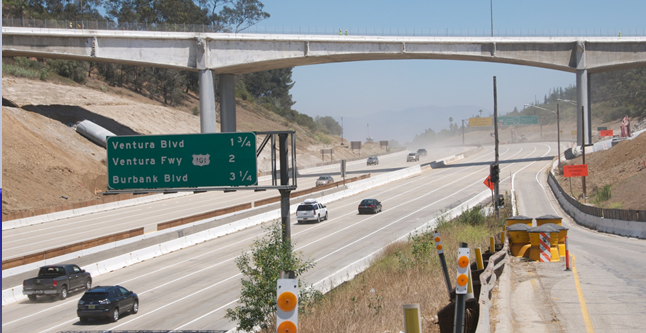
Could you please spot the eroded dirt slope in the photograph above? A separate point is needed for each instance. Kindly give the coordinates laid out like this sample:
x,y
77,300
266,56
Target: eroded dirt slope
x,y
45,160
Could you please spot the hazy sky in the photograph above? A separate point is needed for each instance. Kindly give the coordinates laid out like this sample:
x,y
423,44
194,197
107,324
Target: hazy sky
x,y
357,88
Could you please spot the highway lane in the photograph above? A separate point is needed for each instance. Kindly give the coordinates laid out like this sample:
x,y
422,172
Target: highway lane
x,y
191,288
35,238
609,268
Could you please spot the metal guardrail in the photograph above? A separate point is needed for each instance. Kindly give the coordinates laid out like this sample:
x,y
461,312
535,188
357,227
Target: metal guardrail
x,y
617,214
354,31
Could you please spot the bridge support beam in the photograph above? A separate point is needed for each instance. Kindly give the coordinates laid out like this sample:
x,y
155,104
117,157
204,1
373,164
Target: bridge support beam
x,y
227,102
207,102
583,100
582,96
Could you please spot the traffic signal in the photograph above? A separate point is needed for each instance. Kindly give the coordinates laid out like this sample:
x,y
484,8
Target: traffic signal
x,y
463,270
501,201
494,172
287,306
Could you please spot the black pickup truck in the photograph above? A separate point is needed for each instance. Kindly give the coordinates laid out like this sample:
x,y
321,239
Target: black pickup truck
x,y
57,280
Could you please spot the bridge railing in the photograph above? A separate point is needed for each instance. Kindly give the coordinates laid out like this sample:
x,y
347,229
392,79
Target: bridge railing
x,y
331,30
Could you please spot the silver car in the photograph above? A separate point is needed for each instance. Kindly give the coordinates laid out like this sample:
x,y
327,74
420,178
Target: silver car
x,y
412,157
324,180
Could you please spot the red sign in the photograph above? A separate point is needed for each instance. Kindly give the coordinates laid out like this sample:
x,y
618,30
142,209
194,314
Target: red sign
x,y
605,132
579,170
488,183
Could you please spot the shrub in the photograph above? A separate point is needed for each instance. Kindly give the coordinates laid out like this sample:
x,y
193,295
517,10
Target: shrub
x,y
261,268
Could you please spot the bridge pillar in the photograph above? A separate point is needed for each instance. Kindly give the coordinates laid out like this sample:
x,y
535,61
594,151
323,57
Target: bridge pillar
x,y
582,97
207,102
227,102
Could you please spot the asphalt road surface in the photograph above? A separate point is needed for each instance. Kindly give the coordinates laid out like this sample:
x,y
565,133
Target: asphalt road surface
x,y
192,288
23,241
610,269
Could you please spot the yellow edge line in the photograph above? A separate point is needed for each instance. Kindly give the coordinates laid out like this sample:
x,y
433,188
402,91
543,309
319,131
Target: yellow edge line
x,y
584,306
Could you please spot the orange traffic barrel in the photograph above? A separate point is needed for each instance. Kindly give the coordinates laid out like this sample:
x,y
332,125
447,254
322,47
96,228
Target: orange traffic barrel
x,y
519,219
548,219
519,239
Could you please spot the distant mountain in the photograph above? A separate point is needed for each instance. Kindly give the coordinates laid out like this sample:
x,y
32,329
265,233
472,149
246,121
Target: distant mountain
x,y
404,125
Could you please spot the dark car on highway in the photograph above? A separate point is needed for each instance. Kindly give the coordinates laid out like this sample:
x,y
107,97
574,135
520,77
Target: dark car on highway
x,y
56,280
369,206
422,152
107,302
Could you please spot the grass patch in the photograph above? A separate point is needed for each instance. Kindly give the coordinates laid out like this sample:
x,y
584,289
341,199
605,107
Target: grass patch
x,y
405,272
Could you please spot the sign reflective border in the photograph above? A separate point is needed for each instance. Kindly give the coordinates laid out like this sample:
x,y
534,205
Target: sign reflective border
x,y
579,170
182,160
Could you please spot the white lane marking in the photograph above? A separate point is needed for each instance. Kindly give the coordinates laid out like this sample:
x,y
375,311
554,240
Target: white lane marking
x,y
514,176
72,320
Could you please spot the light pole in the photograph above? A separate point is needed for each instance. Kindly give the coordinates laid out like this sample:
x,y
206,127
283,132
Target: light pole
x,y
567,101
558,127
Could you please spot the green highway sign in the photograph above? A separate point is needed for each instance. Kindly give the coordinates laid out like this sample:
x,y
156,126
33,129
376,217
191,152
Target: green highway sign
x,y
603,128
521,120
182,160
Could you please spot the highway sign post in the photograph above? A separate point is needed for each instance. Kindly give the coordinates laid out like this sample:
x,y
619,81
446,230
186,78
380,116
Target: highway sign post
x,y
181,160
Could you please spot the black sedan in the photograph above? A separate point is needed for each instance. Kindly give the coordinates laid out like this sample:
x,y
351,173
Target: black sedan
x,y
107,302
369,206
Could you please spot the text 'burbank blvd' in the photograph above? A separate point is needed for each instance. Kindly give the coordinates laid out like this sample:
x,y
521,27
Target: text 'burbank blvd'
x,y
198,160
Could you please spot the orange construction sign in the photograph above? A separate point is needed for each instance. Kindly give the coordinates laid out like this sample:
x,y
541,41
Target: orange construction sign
x,y
605,133
579,170
488,183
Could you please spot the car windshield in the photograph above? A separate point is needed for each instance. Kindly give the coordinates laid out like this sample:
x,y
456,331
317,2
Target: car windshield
x,y
411,154
305,208
367,202
94,296
323,178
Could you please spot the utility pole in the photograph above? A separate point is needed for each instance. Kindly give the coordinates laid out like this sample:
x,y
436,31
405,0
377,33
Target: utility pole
x,y
491,5
463,132
495,126
342,131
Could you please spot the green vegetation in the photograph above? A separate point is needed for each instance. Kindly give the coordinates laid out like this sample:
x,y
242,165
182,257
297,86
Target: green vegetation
x,y
603,194
261,268
406,272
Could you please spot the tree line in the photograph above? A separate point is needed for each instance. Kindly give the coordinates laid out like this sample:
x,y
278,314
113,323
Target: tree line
x,y
267,88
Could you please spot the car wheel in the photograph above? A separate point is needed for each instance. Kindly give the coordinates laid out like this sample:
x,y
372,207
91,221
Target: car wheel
x,y
375,211
135,307
63,293
88,284
32,297
83,319
326,216
318,218
115,315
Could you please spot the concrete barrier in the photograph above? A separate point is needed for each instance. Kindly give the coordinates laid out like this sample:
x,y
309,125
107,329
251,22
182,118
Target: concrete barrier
x,y
612,226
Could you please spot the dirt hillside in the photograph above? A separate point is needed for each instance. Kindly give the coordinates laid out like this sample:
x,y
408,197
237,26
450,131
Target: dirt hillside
x,y
623,167
46,163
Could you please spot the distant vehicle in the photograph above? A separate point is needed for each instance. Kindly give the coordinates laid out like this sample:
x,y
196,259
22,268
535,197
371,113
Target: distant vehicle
x,y
422,152
324,180
311,210
369,206
372,160
412,157
107,302
56,280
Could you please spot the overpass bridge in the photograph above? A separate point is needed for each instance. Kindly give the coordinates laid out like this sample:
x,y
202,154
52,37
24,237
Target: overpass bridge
x,y
227,54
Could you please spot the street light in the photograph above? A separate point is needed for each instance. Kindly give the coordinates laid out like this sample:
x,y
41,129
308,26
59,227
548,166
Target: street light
x,y
558,127
567,101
